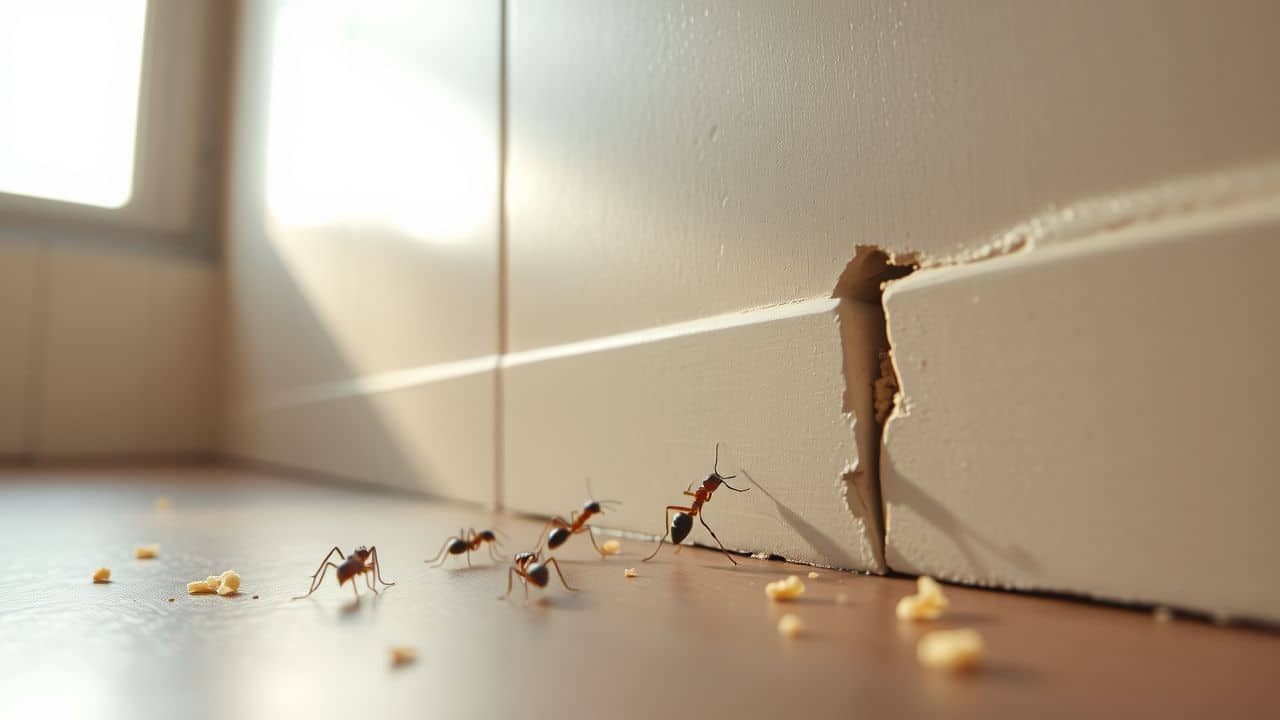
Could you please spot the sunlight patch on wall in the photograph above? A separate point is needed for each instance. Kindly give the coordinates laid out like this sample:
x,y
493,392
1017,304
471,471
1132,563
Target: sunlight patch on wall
x,y
361,132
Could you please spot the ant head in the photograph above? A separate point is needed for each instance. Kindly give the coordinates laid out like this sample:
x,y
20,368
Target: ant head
x,y
526,556
361,552
591,506
715,479
488,536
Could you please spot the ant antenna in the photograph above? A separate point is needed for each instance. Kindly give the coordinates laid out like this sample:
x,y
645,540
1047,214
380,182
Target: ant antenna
x,y
716,469
591,494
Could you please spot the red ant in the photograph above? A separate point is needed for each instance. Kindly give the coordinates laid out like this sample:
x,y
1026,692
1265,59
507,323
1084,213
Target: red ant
x,y
465,542
363,561
530,568
682,523
561,530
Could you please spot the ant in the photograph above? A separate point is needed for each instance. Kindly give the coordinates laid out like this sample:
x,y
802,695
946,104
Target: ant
x,y
464,542
530,568
561,530
682,523
362,561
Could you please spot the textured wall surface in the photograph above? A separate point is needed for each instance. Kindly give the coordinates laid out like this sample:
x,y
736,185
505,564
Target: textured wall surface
x,y
1095,418
363,242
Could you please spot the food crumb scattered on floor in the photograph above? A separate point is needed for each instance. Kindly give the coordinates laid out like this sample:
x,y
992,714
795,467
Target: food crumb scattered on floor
x,y
927,604
402,655
788,589
790,625
611,547
959,649
813,575
170,599
228,583
629,572
146,552
1162,614
102,575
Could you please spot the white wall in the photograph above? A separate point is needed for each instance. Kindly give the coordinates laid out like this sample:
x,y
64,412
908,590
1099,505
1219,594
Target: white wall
x,y
362,247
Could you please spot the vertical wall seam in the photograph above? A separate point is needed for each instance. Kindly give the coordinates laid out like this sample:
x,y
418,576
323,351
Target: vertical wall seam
x,y
499,468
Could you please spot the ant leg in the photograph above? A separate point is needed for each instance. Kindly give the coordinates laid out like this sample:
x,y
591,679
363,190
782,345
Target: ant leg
x,y
316,583
469,558
441,556
326,559
555,521
507,594
355,590
713,535
377,567
553,561
369,581
587,530
666,519
493,553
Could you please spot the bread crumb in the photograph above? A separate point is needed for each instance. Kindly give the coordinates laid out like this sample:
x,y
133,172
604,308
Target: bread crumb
x,y
228,583
611,547
841,598
146,552
790,625
102,575
927,604
813,575
629,572
788,589
402,655
170,599
1162,614
950,649
255,597
162,504
761,555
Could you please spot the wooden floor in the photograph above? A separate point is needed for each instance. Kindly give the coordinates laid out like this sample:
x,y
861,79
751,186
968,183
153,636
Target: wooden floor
x,y
690,637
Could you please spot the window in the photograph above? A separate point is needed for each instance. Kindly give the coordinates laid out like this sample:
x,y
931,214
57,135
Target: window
x,y
70,73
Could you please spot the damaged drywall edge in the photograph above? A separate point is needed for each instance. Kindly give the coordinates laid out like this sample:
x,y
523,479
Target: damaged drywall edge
x,y
1181,196
1178,199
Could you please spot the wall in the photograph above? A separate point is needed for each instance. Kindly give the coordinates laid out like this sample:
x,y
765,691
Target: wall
x,y
671,265
362,244
687,164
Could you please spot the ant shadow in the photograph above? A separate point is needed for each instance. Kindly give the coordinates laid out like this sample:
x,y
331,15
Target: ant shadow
x,y
817,539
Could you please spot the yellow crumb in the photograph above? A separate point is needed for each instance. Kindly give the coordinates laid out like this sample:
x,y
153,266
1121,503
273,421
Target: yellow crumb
x,y
1162,614
146,552
813,575
611,547
788,589
950,649
790,625
162,504
841,599
102,575
629,572
228,583
927,604
403,655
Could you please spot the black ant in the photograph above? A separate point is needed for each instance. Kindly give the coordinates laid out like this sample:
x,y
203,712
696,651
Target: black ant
x,y
530,568
560,530
465,542
362,561
682,523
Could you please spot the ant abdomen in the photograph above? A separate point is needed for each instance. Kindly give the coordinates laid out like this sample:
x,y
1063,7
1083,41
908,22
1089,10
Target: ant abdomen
x,y
557,537
457,547
681,524
538,574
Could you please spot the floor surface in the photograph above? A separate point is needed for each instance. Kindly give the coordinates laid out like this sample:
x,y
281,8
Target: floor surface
x,y
691,636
